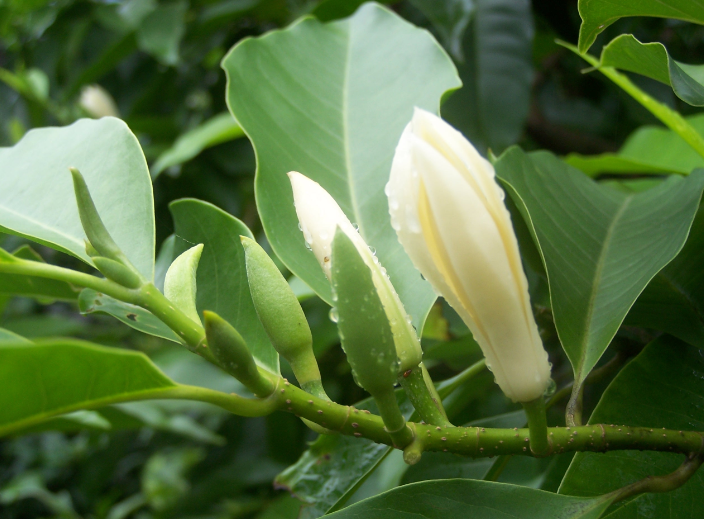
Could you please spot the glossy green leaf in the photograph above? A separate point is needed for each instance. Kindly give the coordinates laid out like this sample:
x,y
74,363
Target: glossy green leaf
x,y
37,199
331,100
600,246
492,106
662,387
652,60
450,19
598,15
163,261
673,301
161,31
649,149
222,275
134,316
44,289
218,129
55,377
471,499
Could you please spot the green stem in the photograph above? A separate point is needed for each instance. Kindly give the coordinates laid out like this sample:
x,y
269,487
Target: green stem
x,y
660,484
394,422
446,387
422,394
668,116
148,297
538,426
230,402
573,412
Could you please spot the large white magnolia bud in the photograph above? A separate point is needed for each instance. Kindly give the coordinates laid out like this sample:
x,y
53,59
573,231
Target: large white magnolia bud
x,y
450,217
98,102
319,216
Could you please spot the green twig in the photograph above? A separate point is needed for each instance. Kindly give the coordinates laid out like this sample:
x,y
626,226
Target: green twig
x,y
667,115
415,384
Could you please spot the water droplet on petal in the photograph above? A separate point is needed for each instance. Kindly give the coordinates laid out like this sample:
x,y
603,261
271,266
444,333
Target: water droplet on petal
x,y
333,315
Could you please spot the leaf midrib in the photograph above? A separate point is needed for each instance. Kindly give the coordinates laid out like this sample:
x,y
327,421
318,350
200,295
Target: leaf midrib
x,y
597,281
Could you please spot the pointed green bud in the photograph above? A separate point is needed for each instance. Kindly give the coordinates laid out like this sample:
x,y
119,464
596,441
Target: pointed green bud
x,y
231,352
366,333
93,226
180,285
90,250
117,272
282,316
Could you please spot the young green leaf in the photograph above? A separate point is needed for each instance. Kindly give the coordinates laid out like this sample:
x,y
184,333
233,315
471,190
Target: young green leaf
x,y
652,60
180,284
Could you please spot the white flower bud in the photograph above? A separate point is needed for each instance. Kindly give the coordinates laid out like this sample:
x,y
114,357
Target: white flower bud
x,y
98,102
319,216
449,214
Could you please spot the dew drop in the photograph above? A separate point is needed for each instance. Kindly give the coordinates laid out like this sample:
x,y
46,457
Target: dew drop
x,y
300,227
372,250
356,227
333,315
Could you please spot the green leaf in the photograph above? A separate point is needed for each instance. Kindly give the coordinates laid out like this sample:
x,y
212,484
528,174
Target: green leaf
x,y
662,387
37,199
222,274
652,60
450,19
331,100
467,498
134,316
44,289
128,416
8,336
649,149
598,15
180,285
673,301
492,106
163,261
600,247
218,129
161,31
56,377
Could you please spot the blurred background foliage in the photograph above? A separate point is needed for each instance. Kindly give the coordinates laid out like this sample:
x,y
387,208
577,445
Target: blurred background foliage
x,y
159,62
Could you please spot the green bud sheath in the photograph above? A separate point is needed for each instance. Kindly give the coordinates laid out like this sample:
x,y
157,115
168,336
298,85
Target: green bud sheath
x,y
98,235
180,285
282,316
117,272
7,257
94,227
366,333
90,250
231,352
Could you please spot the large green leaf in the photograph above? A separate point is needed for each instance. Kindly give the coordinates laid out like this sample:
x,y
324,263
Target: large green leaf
x,y
597,15
673,301
218,129
44,289
90,302
160,32
497,75
331,100
450,19
649,149
652,60
600,246
472,499
8,336
662,387
37,199
222,276
51,378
